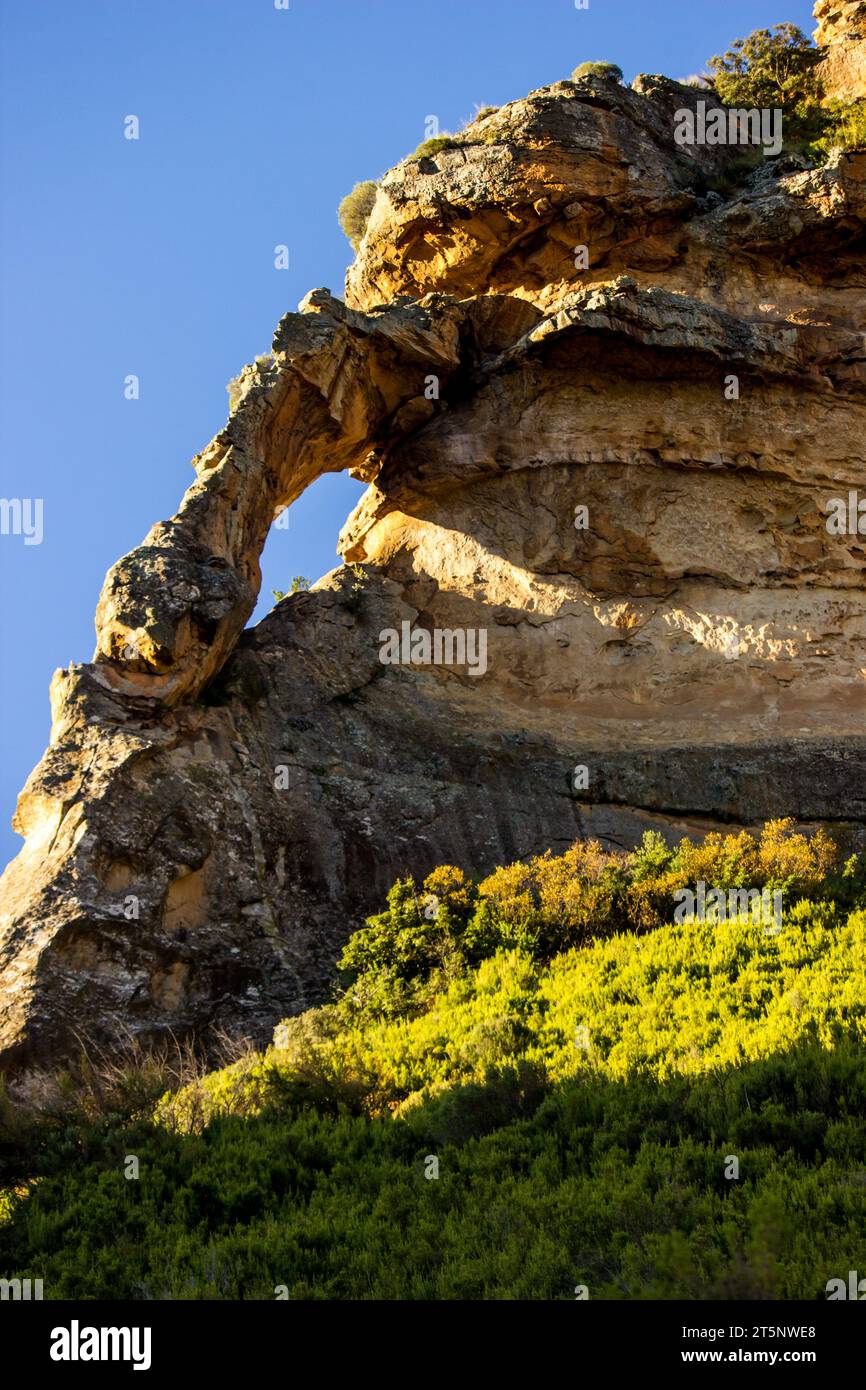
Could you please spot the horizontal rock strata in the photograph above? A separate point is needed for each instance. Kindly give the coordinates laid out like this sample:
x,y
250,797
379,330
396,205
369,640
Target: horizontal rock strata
x,y
605,392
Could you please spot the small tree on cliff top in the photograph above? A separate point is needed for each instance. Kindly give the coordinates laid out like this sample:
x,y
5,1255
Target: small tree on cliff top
x,y
770,68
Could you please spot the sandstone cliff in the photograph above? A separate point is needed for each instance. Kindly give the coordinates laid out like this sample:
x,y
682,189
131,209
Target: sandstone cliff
x,y
841,33
218,807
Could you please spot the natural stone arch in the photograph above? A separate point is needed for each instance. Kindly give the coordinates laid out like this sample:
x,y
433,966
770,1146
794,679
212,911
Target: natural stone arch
x,y
171,610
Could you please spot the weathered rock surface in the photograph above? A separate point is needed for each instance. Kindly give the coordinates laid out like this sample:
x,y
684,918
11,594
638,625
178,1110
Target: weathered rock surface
x,y
218,807
841,32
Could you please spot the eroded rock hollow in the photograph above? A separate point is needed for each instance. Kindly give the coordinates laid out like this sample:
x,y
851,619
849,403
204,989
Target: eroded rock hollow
x,y
615,463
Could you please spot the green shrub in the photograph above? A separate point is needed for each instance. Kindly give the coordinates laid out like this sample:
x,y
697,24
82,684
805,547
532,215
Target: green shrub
x,y
580,1106
652,858
354,593
733,177
779,68
388,965
599,1163
550,903
354,211
607,72
299,585
427,148
234,390
844,129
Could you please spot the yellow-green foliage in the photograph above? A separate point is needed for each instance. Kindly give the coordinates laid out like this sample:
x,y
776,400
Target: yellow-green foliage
x,y
8,1197
552,902
299,585
845,128
354,211
684,999
770,68
780,858
608,72
427,148
582,1104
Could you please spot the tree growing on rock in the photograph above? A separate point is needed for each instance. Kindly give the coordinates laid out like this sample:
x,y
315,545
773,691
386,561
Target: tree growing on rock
x,y
770,68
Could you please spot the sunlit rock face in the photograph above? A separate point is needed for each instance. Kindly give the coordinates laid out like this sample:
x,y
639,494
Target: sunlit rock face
x,y
609,396
841,34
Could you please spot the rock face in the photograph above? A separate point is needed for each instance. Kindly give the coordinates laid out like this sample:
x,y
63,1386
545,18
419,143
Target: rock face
x,y
604,390
841,32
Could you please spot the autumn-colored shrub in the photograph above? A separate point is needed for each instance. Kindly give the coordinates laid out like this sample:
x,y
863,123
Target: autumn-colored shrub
x,y
550,903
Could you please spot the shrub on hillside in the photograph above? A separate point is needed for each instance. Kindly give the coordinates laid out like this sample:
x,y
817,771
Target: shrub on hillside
x,y
247,374
607,72
354,211
427,148
844,129
388,964
557,901
580,1108
551,903
299,585
781,858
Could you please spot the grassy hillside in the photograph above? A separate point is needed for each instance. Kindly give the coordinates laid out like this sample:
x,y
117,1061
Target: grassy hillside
x,y
499,1104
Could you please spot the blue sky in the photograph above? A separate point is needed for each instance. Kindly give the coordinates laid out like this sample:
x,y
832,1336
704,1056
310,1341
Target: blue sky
x,y
156,257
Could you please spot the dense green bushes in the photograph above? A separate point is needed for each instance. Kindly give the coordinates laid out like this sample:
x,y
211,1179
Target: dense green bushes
x,y
582,1105
618,1186
687,998
428,936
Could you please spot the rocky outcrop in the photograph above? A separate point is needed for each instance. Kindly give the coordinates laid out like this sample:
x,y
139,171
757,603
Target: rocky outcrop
x,y
604,390
841,33
171,610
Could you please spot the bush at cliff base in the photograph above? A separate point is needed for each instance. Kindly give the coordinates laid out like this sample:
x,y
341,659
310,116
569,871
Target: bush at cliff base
x,y
666,1111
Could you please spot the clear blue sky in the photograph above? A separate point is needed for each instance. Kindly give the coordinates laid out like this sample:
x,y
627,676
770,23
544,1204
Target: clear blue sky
x,y
155,257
